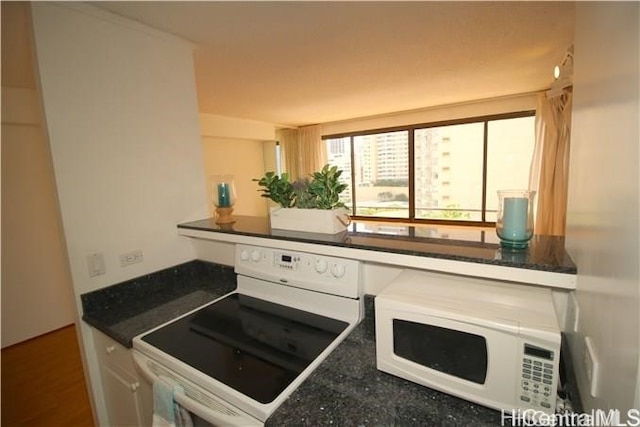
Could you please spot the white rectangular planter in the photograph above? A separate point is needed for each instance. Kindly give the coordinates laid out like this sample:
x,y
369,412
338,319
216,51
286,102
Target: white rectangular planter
x,y
310,220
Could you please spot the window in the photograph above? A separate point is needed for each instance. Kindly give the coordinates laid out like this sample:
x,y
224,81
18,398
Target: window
x,y
381,177
438,172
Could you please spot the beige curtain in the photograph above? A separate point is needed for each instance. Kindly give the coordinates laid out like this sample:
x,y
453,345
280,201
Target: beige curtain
x,y
550,167
304,152
289,151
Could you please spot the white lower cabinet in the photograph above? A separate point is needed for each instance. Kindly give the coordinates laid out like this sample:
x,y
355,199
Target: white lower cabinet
x,y
128,399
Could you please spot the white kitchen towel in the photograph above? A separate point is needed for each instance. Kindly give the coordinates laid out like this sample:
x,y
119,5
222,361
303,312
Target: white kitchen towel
x,y
166,411
183,417
163,412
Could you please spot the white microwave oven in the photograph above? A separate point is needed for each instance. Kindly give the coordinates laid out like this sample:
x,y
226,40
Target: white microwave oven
x,y
493,343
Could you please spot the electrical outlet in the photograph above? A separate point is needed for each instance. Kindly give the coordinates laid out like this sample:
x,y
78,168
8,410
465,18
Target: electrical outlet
x,y
591,366
132,257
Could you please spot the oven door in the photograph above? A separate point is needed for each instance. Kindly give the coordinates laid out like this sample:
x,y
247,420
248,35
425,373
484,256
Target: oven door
x,y
205,409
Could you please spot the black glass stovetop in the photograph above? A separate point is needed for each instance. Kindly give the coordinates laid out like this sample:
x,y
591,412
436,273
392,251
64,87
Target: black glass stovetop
x,y
254,346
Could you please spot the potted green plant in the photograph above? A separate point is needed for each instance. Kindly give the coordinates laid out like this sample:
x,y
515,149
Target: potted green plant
x,y
307,205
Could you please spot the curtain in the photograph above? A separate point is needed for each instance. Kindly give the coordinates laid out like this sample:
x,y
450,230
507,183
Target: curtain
x,y
313,152
550,166
304,152
289,151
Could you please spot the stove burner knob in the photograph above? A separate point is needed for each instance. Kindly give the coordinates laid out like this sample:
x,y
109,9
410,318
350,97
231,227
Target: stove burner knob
x,y
244,255
321,266
338,270
255,256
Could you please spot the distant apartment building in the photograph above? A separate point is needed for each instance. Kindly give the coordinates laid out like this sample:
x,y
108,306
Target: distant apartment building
x,y
448,166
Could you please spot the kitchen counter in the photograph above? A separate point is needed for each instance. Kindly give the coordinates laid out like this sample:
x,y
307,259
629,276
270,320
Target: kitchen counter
x,y
469,251
346,389
130,308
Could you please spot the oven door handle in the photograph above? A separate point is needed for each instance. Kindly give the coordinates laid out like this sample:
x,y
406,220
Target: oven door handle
x,y
211,415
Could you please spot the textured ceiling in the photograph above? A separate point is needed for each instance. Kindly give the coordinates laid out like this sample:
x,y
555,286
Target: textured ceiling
x,y
299,63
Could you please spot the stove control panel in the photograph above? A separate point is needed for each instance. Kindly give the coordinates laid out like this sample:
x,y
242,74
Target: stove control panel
x,y
322,273
286,260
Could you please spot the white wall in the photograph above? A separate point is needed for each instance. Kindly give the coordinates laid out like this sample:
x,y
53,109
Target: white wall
x,y
244,159
121,111
35,275
242,148
213,125
602,219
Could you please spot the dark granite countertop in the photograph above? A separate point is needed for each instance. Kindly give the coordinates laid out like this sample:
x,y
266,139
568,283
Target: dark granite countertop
x,y
545,253
130,308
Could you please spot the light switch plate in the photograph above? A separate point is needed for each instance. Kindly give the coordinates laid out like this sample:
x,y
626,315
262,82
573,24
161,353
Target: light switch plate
x,y
95,264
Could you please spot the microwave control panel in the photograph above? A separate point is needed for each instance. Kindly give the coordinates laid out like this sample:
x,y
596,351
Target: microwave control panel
x,y
539,378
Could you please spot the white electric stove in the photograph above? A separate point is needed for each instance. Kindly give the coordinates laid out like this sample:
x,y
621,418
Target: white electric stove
x,y
239,357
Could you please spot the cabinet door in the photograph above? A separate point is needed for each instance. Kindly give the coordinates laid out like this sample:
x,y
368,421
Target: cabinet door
x,y
123,397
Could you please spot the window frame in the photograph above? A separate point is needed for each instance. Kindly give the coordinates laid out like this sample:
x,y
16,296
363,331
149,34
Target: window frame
x,y
411,153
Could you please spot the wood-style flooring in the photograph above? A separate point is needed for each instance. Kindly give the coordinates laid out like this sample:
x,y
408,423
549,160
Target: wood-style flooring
x,y
43,383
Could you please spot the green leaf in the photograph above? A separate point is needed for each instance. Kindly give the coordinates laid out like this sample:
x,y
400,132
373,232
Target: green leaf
x,y
323,192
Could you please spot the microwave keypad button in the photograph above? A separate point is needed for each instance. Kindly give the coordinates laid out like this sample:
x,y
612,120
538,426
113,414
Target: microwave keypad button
x,y
526,376
545,404
547,376
525,399
548,365
547,381
527,360
537,368
526,371
548,371
537,362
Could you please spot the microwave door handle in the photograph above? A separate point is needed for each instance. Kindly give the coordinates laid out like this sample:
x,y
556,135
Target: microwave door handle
x,y
208,414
